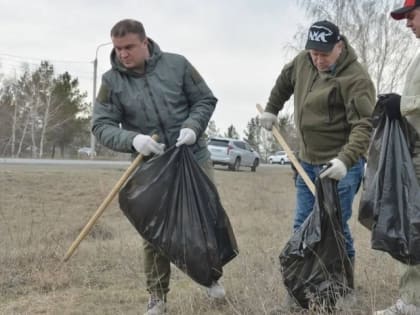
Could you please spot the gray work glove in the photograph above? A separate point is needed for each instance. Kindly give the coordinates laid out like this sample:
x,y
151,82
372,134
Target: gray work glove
x,y
334,169
145,145
186,136
268,120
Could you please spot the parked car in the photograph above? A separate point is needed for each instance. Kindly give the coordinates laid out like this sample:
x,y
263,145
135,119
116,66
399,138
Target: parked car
x,y
280,157
86,151
234,153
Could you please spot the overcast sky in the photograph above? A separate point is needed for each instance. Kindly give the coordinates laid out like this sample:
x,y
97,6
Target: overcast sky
x,y
237,46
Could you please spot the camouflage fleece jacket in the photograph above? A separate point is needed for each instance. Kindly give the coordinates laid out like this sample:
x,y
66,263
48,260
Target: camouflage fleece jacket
x,y
332,110
168,96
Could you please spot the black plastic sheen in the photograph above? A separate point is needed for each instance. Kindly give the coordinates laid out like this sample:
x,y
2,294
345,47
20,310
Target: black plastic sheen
x,y
315,267
175,206
390,201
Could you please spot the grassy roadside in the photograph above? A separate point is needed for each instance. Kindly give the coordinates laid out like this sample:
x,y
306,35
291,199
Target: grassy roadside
x,y
42,210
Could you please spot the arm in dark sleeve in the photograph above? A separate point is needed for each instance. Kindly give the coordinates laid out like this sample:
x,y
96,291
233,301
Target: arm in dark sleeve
x,y
359,106
107,116
282,90
200,98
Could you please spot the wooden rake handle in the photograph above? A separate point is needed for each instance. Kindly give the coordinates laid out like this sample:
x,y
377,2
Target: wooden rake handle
x,y
136,162
291,155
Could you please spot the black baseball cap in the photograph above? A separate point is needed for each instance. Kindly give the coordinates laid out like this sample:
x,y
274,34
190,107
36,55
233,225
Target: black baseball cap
x,y
323,36
409,5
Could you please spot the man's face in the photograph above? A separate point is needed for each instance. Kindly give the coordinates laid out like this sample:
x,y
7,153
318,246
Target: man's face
x,y
324,60
131,50
413,21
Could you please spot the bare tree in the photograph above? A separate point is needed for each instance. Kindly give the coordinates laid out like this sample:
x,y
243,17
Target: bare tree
x,y
24,102
288,131
43,78
383,46
45,122
267,143
253,133
264,142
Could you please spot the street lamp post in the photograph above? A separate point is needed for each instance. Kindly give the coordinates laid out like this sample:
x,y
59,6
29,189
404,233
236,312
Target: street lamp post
x,y
95,73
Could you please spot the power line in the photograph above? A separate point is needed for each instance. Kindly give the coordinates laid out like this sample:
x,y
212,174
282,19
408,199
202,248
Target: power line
x,y
16,62
21,64
42,59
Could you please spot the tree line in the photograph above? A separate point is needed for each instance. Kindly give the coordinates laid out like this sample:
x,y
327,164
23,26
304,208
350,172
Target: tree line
x,y
42,113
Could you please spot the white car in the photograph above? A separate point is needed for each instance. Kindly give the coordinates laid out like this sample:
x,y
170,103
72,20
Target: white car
x,y
86,151
280,157
233,152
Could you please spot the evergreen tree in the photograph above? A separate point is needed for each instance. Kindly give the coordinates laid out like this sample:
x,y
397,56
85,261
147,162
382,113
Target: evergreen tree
x,y
253,133
212,130
232,133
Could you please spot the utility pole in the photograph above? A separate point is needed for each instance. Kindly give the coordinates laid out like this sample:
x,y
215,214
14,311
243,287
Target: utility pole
x,y
95,74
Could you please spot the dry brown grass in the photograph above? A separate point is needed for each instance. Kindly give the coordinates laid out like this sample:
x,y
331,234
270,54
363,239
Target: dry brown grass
x,y
42,210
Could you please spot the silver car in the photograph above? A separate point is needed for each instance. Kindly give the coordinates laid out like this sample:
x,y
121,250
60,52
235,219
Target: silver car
x,y
86,151
280,157
234,153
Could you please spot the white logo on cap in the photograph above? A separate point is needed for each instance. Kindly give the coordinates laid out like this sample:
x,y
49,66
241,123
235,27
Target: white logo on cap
x,y
320,34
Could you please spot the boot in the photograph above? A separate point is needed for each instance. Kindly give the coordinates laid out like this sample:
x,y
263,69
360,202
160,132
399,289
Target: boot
x,y
156,306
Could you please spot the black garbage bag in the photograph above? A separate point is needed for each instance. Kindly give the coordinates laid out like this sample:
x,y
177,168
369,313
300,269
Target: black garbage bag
x,y
314,264
174,206
390,200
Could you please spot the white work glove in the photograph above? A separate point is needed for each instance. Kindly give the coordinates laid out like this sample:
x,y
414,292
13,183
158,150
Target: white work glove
x,y
145,145
186,136
335,169
268,120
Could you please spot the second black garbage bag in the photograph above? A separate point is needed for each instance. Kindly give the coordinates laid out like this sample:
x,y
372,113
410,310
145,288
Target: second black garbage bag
x,y
314,264
390,200
174,205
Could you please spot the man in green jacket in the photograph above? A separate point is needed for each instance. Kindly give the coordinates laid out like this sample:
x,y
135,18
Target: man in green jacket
x,y
408,105
333,101
148,92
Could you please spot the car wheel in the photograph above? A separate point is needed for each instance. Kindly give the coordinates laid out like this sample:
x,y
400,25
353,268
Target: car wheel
x,y
270,161
282,162
254,165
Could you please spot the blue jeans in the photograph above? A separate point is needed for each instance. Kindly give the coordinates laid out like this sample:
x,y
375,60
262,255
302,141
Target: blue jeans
x,y
347,189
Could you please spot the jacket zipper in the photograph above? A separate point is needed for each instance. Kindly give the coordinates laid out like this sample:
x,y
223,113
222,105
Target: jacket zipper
x,y
301,108
332,97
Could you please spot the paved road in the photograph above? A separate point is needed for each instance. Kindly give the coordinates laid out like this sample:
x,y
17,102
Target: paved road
x,y
88,163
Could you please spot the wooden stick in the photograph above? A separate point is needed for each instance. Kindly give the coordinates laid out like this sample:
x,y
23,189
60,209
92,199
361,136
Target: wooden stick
x,y
291,155
104,204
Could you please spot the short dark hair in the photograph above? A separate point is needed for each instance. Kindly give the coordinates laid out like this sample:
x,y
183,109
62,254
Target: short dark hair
x,y
126,26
